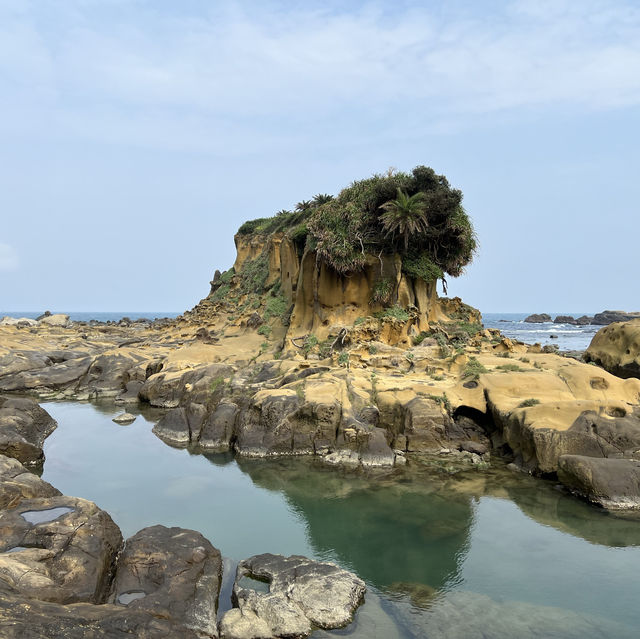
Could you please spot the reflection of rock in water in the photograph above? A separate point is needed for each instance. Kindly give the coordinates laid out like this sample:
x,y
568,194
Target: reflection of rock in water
x,y
385,530
567,514
467,615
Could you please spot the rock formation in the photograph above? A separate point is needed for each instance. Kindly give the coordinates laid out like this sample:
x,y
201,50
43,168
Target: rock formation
x,y
617,349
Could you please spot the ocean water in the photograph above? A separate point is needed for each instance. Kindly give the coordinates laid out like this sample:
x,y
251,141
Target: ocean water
x,y
476,555
566,337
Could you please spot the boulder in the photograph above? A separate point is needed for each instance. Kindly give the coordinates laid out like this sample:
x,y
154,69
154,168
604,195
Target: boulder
x,y
218,428
57,319
60,549
584,320
124,418
302,594
564,319
57,375
538,318
17,483
170,573
23,428
617,349
611,483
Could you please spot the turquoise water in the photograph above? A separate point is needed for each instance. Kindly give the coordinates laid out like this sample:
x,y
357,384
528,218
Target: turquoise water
x,y
470,555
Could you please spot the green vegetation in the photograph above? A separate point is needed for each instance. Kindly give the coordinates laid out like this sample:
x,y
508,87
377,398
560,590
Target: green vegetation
x,y
343,358
310,342
265,330
511,368
443,400
394,312
529,402
276,307
417,214
382,292
216,383
473,369
373,349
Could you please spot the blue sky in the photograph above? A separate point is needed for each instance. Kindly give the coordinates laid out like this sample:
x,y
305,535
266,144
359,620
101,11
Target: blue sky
x,y
138,135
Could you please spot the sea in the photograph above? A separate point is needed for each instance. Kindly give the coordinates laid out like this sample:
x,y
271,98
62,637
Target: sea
x,y
566,336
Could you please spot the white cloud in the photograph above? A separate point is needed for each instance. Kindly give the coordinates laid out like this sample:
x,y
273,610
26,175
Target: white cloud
x,y
8,258
231,75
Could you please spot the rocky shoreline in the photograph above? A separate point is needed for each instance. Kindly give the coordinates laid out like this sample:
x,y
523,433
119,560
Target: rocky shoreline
x,y
285,358
65,570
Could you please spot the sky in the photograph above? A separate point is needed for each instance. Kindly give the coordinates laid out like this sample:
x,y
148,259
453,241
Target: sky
x,y
137,135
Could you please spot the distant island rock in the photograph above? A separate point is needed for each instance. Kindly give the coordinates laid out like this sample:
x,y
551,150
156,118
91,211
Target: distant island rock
x,y
538,318
609,317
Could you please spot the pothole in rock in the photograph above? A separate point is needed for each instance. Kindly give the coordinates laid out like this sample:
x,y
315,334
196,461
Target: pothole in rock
x,y
248,583
42,516
126,598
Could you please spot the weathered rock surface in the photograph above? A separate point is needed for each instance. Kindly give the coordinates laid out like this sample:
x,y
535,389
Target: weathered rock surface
x,y
171,573
65,550
22,618
609,317
17,483
617,349
124,418
538,318
611,483
57,319
564,319
23,428
303,594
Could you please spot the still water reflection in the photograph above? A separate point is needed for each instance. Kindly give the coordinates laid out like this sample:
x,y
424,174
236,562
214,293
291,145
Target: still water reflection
x,y
489,554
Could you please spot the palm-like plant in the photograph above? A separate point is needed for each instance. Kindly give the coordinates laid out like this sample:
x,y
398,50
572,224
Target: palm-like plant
x,y
405,215
321,198
305,205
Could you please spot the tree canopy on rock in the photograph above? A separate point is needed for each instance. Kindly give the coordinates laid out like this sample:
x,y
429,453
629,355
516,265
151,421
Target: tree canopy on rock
x,y
417,215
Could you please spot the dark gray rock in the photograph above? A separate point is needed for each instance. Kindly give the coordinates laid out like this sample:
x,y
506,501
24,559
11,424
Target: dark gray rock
x,y
173,574
181,426
538,318
608,317
302,594
564,319
23,428
70,550
611,483
22,618
217,429
584,320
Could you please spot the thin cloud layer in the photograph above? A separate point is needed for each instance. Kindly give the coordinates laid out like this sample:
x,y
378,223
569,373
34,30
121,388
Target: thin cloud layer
x,y
256,73
8,258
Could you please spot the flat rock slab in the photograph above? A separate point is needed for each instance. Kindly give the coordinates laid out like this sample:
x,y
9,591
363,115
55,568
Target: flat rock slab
x,y
23,428
171,573
302,595
17,483
124,418
69,550
611,483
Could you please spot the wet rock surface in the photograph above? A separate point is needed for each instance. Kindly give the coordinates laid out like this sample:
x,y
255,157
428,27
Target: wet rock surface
x,y
302,594
611,483
70,550
23,428
170,573
17,484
